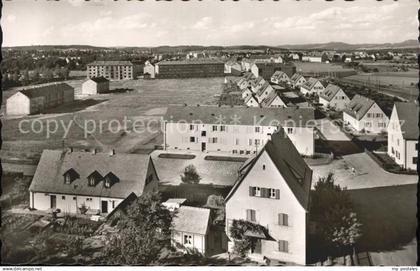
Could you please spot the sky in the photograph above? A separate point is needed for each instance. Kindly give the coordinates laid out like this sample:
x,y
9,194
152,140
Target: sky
x,y
207,22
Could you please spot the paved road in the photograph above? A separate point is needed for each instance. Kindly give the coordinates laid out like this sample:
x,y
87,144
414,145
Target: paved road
x,y
330,131
367,173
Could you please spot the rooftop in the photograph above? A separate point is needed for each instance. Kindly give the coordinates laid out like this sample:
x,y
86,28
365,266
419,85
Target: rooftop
x,y
130,169
330,92
110,63
99,79
191,220
408,115
310,83
359,106
191,62
41,90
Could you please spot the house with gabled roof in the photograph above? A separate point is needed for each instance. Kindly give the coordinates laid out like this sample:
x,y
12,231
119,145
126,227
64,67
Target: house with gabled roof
x,y
365,115
98,182
149,70
246,92
95,85
403,134
334,97
264,91
233,67
251,101
257,83
35,99
312,86
297,80
279,77
272,191
273,100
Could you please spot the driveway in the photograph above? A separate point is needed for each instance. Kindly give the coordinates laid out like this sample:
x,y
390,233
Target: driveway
x,y
330,131
358,170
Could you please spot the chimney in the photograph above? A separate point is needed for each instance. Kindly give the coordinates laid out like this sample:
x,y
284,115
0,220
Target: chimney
x,y
112,152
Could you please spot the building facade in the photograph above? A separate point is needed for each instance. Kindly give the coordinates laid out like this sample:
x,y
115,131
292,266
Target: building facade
x,y
334,97
236,130
149,70
111,70
35,99
403,134
267,69
190,69
99,182
312,86
273,192
364,115
95,85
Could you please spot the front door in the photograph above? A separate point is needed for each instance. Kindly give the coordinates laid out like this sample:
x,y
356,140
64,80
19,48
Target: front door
x,y
104,207
53,201
203,146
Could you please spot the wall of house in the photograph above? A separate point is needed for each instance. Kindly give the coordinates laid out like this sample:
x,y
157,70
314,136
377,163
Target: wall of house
x,y
411,153
300,82
198,241
70,203
235,139
267,211
339,102
252,103
278,103
111,72
18,104
349,120
150,69
374,124
89,88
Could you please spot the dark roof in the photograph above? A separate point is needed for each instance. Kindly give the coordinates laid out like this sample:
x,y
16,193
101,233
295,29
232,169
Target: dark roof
x,y
330,92
110,63
408,115
310,83
278,74
359,106
99,79
44,89
200,61
239,115
122,207
296,77
131,169
191,220
290,165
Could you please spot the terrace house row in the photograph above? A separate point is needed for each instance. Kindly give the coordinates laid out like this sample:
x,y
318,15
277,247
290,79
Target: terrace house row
x,y
236,130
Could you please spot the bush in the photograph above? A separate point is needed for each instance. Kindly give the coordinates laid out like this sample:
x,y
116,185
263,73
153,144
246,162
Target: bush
x,y
190,175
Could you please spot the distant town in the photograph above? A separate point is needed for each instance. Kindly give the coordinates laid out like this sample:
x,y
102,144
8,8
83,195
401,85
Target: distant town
x,y
210,155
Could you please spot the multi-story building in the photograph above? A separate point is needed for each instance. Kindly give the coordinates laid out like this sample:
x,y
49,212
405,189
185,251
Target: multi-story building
x,y
99,182
364,115
111,70
236,130
334,97
272,191
35,99
403,135
190,68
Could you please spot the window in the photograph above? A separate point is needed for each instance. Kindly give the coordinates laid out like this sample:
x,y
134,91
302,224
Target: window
x,y
63,197
191,127
257,142
74,198
67,179
107,183
203,133
214,128
222,128
92,181
187,239
369,115
379,115
241,152
283,246
272,193
283,220
250,142
416,146
257,129
113,204
257,192
415,160
263,167
392,150
290,130
214,140
234,151
192,139
251,215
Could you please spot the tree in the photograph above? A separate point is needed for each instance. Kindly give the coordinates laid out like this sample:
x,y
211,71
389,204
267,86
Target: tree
x,y
143,233
190,175
332,211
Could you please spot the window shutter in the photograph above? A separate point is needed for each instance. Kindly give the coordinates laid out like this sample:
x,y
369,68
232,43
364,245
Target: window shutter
x,y
277,193
280,219
251,191
248,214
286,246
285,220
253,215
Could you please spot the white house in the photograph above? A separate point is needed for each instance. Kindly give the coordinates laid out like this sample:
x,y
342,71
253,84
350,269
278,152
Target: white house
x,y
297,80
233,67
95,85
246,92
251,101
35,99
246,80
273,100
264,91
257,84
279,77
403,135
273,191
312,86
190,230
237,130
334,97
363,114
71,181
149,70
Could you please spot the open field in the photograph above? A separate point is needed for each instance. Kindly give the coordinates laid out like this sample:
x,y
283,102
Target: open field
x,y
143,107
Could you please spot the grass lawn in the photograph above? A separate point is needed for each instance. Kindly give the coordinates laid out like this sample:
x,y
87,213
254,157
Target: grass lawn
x,y
388,215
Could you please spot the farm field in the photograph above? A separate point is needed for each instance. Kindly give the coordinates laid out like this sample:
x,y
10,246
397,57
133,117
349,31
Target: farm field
x,y
308,67
143,105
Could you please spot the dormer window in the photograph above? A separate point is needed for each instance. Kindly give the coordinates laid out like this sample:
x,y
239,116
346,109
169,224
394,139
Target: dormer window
x,y
107,183
94,178
67,179
70,175
110,179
